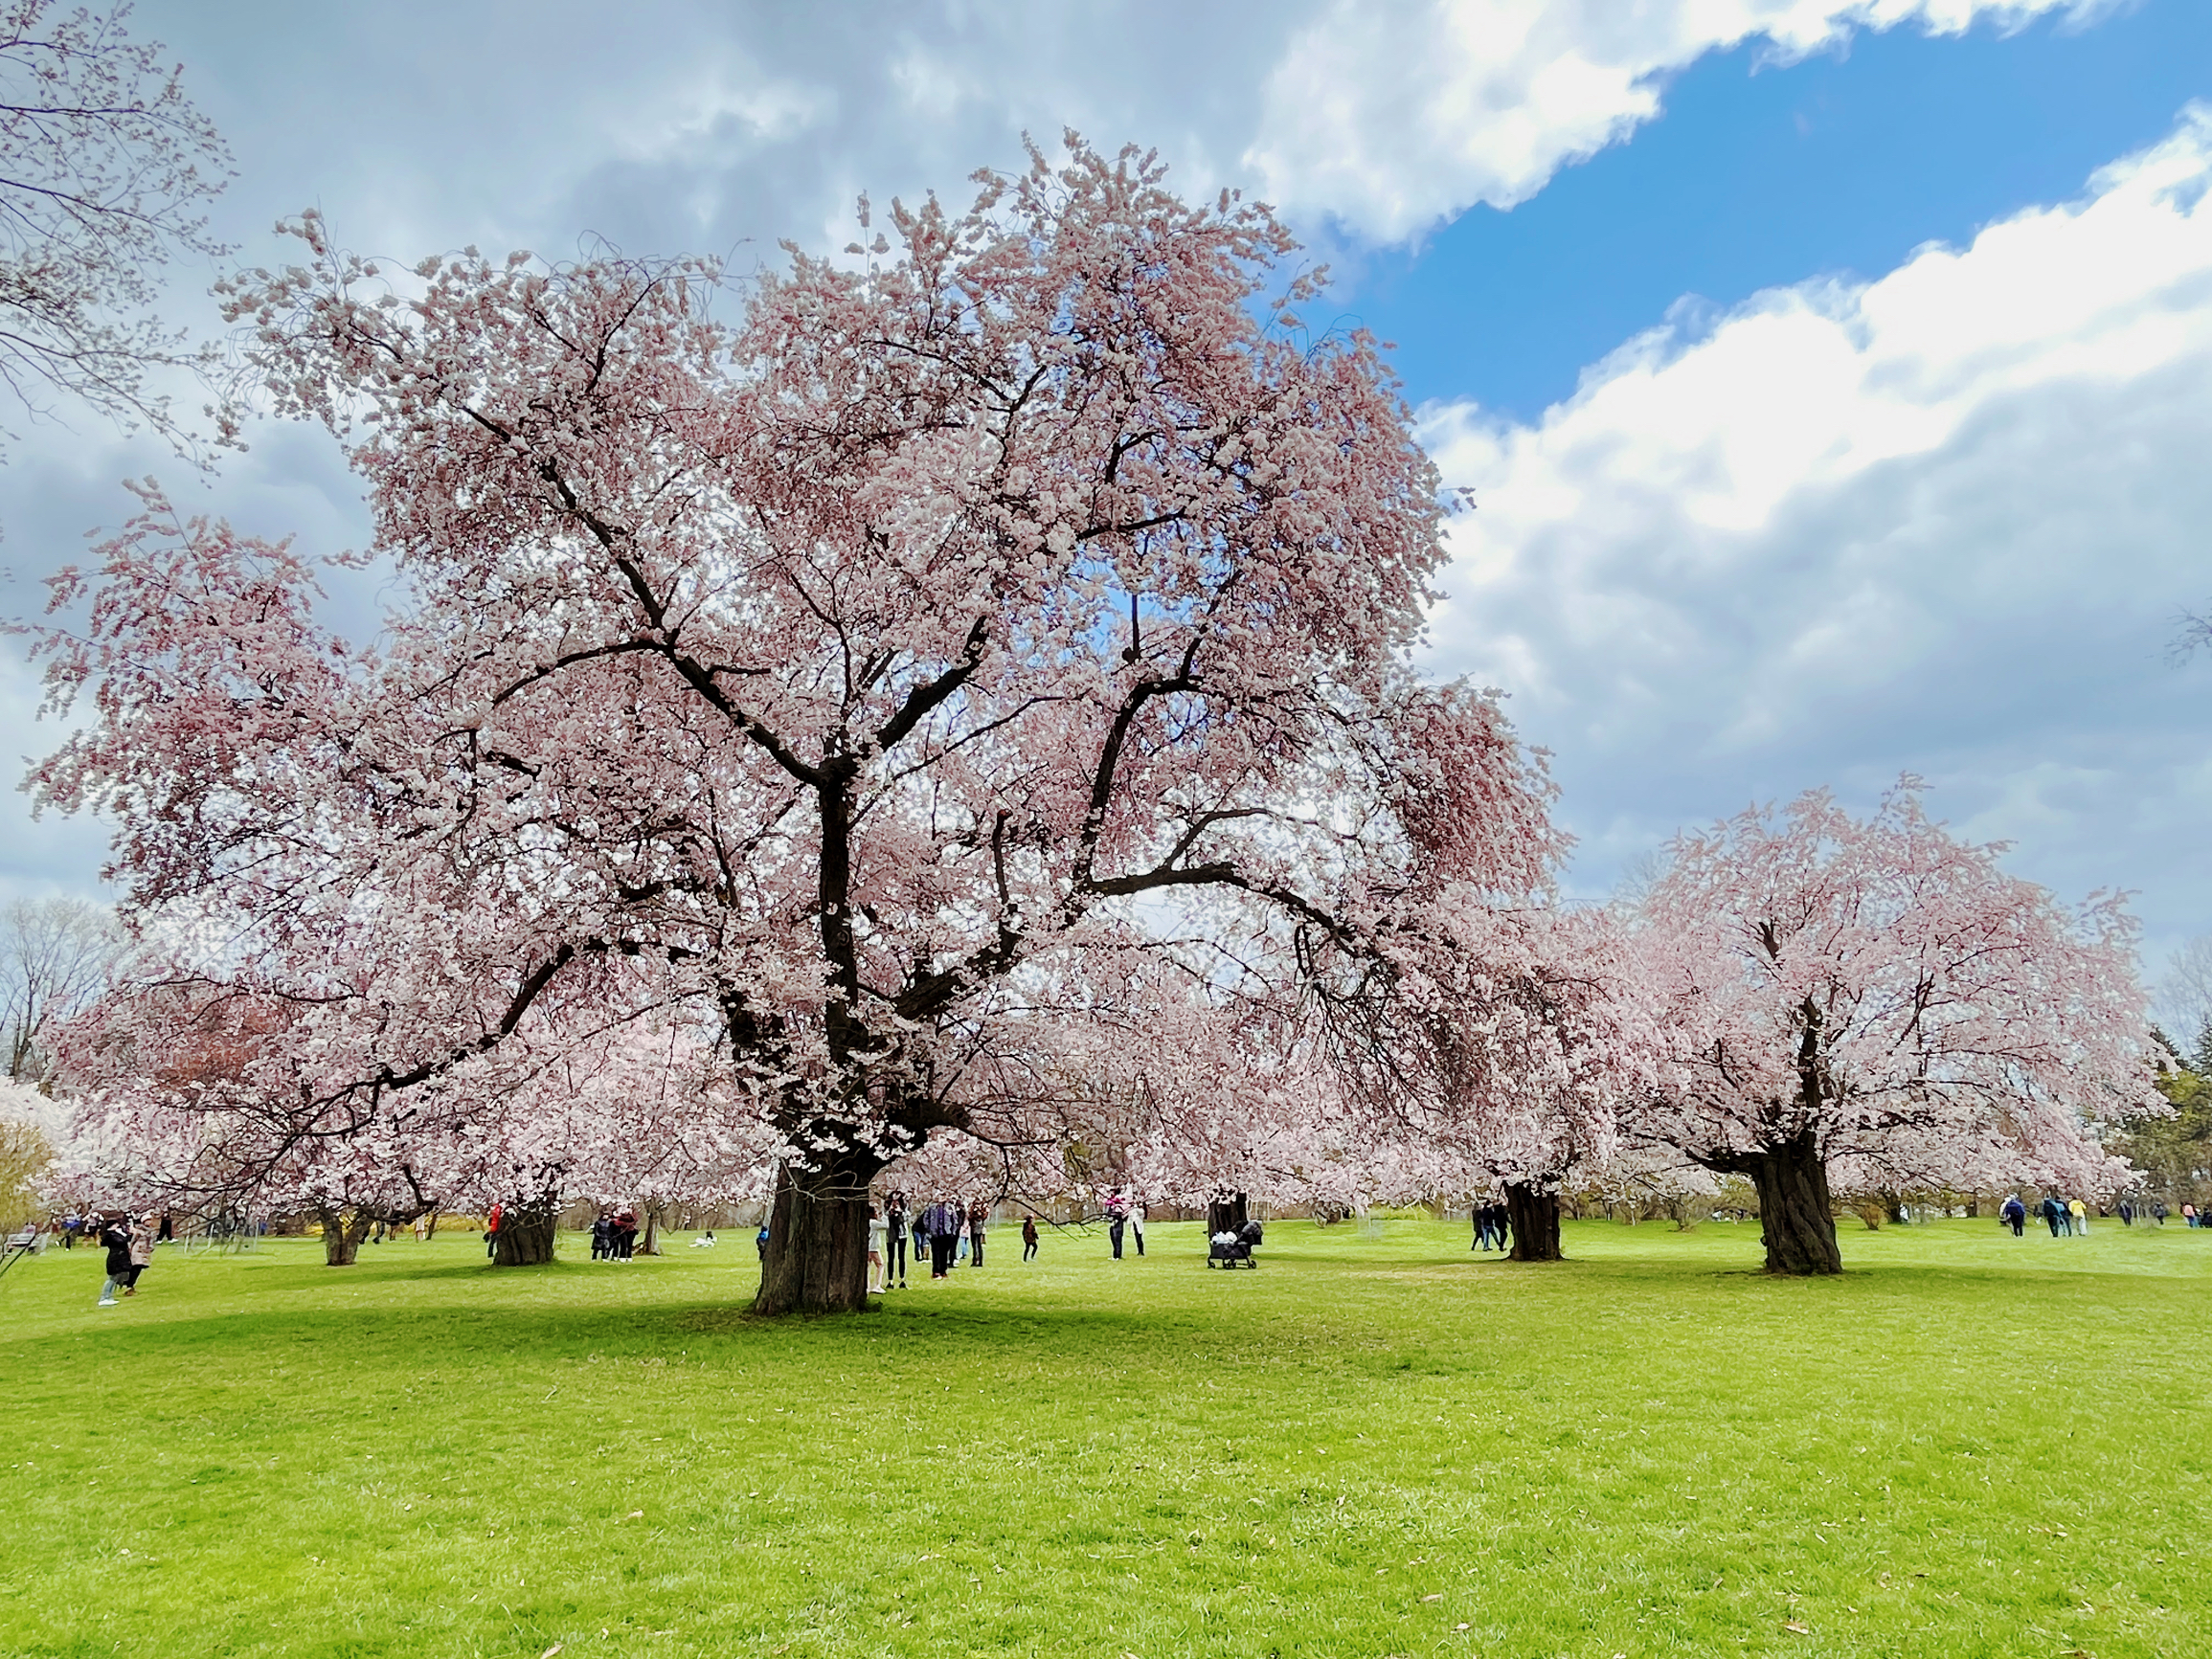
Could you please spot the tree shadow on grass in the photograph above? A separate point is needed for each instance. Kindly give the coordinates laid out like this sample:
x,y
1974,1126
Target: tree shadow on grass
x,y
386,1336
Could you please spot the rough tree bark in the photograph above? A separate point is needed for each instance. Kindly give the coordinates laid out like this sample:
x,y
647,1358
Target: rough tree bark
x,y
1534,1216
526,1233
817,1260
342,1235
1796,1213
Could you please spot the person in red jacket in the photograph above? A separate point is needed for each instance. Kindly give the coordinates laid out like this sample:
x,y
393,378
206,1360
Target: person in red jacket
x,y
491,1232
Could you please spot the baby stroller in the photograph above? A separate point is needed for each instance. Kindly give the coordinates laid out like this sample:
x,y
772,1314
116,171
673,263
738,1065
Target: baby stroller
x,y
1233,1249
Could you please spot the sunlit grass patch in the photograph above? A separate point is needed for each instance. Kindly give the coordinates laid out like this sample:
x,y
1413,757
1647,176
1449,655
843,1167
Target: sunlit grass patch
x,y
1374,1445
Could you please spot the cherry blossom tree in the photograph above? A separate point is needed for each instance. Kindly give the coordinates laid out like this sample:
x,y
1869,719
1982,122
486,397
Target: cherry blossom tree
x,y
1875,998
105,168
201,1093
1533,1036
889,671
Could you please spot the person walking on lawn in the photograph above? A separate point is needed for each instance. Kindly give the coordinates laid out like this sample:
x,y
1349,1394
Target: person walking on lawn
x,y
978,1218
876,1232
1136,1226
1028,1237
2014,1215
141,1241
115,1235
2078,1215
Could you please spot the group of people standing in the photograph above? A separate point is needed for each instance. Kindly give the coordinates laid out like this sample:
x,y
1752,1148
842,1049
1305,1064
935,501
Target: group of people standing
x,y
2066,1217
945,1232
1493,1226
1124,1216
614,1237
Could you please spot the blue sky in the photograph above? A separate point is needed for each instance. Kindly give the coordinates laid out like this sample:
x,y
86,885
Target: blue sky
x,y
1762,173
1833,376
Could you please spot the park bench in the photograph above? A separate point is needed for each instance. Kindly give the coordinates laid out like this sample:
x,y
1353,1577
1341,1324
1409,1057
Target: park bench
x,y
27,1242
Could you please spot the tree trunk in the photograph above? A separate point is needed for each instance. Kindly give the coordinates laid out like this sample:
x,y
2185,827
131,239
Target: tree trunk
x,y
817,1260
1795,1212
1534,1217
342,1235
526,1233
650,1243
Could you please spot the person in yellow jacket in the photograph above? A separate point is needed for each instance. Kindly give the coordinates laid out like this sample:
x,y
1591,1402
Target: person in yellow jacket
x,y
2080,1214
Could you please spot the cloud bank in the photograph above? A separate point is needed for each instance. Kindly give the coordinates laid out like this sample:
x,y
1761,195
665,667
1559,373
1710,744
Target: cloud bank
x,y
1941,522
698,126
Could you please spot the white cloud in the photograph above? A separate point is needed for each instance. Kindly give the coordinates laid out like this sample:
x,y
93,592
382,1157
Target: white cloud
x,y
698,123
701,125
1941,522
1396,117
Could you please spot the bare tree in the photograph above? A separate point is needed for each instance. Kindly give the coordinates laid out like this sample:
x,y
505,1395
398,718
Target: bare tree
x,y
56,956
2184,994
105,167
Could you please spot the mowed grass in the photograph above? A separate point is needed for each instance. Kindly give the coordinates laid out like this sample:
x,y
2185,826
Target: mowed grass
x,y
1378,1443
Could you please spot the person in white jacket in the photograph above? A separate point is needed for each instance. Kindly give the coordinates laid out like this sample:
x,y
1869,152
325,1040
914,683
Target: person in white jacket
x,y
878,1236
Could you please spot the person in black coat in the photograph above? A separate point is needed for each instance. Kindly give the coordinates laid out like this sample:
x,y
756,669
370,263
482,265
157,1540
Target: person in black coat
x,y
895,1225
2014,1215
116,1236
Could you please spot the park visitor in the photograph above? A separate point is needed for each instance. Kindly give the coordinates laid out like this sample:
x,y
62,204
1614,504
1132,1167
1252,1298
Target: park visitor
x,y
116,1236
1116,1221
894,1228
942,1220
2188,1215
705,1240
599,1232
921,1236
877,1232
2013,1214
491,1232
1136,1226
2079,1215
978,1218
142,1241
760,1240
1028,1237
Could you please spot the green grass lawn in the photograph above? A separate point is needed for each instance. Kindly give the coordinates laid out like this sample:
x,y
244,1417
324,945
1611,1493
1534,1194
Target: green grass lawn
x,y
1374,1445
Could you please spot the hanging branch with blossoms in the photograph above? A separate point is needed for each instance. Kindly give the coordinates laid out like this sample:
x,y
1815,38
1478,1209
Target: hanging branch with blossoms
x,y
1021,595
